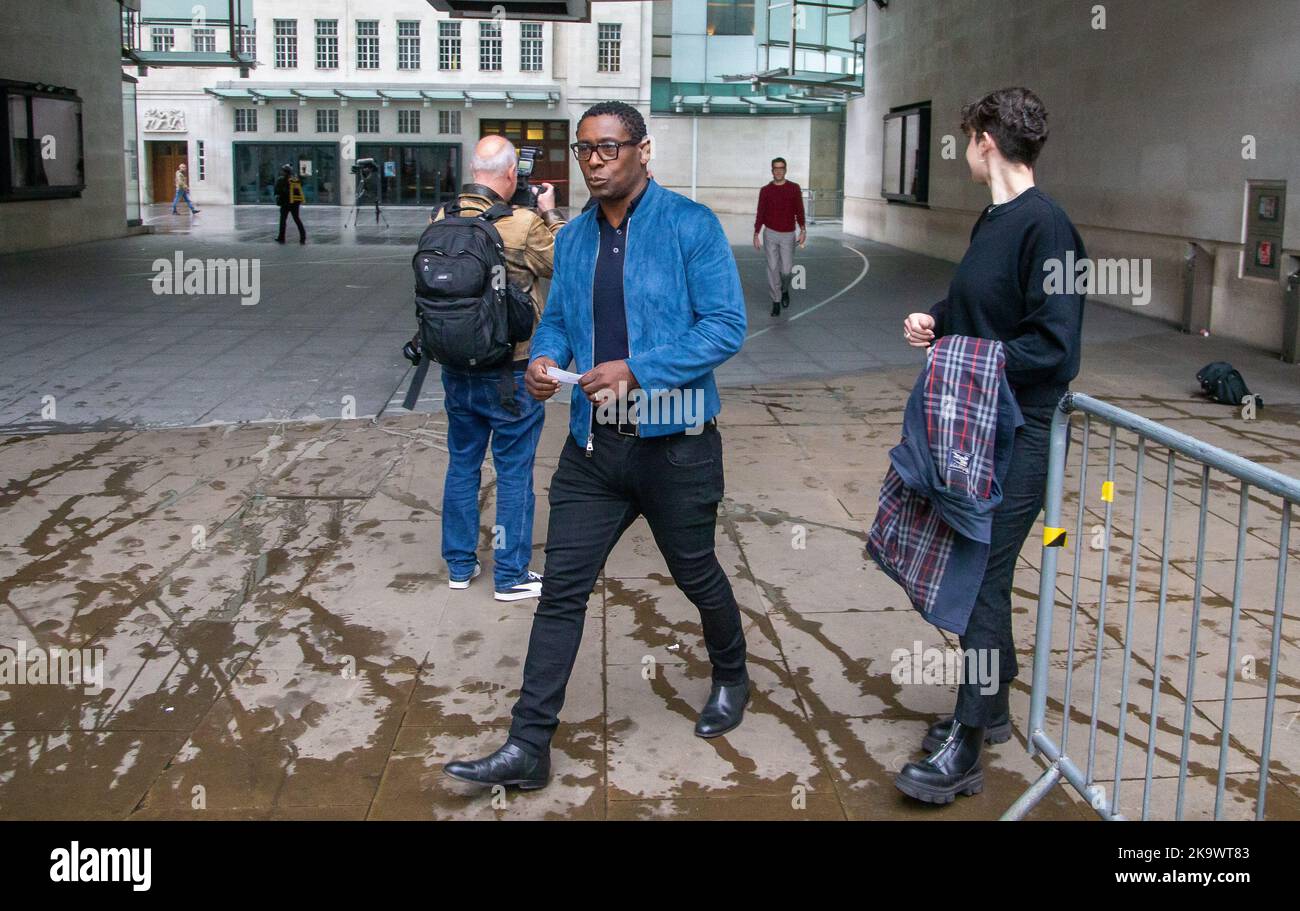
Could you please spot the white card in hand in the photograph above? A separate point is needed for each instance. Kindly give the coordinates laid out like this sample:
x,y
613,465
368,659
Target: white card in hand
x,y
563,376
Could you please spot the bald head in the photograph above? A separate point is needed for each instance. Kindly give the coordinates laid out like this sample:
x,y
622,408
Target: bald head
x,y
494,164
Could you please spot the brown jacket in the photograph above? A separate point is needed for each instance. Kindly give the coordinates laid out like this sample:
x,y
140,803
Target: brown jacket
x,y
529,239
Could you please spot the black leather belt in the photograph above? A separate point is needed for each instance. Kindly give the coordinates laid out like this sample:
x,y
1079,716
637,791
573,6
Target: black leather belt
x,y
625,428
628,429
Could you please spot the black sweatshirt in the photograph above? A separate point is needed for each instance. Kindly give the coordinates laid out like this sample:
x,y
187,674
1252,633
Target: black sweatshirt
x,y
998,293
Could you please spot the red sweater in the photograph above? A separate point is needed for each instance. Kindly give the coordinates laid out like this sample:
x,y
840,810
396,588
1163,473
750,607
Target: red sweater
x,y
779,207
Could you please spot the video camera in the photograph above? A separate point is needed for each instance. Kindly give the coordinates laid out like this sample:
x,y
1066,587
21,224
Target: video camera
x,y
526,193
364,166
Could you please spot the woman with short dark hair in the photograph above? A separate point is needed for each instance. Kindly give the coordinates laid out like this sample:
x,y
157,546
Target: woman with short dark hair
x,y
1000,291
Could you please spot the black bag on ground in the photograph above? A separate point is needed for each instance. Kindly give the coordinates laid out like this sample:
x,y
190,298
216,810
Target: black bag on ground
x,y
470,317
1223,383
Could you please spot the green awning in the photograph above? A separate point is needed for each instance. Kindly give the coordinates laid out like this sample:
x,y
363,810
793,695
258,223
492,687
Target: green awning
x,y
532,96
486,96
401,94
231,94
189,58
316,94
443,95
275,94
358,94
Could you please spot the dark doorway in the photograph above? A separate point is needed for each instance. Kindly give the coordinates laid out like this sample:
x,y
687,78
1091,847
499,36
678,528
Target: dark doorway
x,y
257,165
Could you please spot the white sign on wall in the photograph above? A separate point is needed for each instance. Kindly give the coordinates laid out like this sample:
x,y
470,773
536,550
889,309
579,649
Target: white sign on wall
x,y
164,120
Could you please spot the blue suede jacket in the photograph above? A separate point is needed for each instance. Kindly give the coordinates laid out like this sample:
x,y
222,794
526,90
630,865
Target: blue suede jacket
x,y
685,310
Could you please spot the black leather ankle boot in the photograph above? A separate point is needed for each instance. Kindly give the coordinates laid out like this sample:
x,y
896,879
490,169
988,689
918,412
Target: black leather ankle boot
x,y
509,766
998,731
951,770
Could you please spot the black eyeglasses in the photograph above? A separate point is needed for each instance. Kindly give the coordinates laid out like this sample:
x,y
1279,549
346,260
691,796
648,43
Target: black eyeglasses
x,y
608,150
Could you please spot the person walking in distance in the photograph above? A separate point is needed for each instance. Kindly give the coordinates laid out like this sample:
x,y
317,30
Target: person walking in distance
x,y
289,197
780,209
475,413
646,302
182,181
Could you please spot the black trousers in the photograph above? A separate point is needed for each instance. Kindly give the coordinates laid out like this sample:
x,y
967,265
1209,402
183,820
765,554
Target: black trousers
x,y
292,209
676,483
990,619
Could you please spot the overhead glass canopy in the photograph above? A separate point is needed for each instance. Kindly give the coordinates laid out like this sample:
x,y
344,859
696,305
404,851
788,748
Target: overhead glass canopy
x,y
809,42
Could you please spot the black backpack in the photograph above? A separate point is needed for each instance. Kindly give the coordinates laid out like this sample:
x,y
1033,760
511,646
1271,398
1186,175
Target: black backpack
x,y
1223,383
470,316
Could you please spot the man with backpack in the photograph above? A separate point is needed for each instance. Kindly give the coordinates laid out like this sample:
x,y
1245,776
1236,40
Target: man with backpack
x,y
289,196
479,259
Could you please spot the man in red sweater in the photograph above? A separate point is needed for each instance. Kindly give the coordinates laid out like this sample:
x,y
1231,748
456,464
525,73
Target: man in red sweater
x,y
780,206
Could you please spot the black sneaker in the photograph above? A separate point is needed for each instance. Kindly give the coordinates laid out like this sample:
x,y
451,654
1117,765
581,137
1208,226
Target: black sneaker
x,y
531,587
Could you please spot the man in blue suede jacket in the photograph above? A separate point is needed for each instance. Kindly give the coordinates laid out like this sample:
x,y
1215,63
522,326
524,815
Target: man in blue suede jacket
x,y
645,302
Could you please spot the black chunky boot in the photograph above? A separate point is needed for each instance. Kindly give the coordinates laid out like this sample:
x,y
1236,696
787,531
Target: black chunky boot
x,y
951,770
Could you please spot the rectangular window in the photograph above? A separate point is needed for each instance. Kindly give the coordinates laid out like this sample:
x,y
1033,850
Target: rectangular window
x,y
530,47
162,39
448,45
204,40
367,44
286,120
609,47
245,120
408,45
248,41
367,120
449,123
408,121
327,44
203,161
42,141
327,120
905,173
286,44
732,17
489,46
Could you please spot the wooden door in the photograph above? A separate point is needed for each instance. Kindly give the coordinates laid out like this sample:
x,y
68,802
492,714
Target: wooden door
x,y
164,158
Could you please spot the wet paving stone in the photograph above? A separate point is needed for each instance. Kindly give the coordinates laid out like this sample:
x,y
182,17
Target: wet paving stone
x,y
278,640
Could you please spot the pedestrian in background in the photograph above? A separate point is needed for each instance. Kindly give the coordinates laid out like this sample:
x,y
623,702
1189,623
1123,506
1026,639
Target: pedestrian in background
x,y
182,190
780,209
289,197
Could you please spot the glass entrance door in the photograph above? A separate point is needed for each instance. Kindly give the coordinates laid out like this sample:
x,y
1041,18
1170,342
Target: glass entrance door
x,y
415,175
257,166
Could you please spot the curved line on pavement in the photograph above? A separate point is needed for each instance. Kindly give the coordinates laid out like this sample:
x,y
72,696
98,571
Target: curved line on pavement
x,y
847,288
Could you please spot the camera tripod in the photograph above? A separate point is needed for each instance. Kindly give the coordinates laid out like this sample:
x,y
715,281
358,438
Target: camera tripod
x,y
362,179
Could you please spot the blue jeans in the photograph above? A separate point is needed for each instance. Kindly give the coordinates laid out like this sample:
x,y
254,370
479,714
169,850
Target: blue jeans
x,y
474,414
182,194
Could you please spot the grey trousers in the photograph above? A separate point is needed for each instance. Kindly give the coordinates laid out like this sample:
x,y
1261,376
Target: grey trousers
x,y
778,246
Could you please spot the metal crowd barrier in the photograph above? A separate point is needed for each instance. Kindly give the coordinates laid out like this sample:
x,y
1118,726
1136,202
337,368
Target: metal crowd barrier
x,y
824,205
1063,763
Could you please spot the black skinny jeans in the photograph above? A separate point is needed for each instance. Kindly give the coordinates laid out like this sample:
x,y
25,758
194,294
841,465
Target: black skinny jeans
x,y
990,620
676,483
292,209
